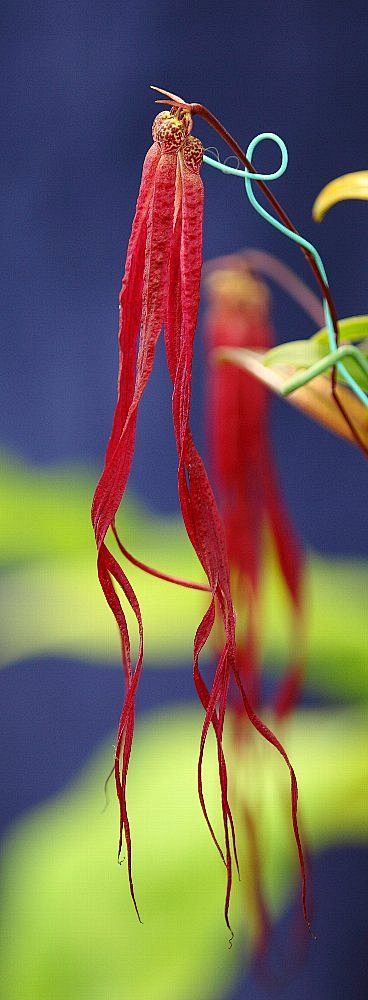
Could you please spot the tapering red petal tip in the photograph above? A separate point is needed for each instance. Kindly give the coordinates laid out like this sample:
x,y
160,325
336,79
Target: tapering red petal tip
x,y
171,97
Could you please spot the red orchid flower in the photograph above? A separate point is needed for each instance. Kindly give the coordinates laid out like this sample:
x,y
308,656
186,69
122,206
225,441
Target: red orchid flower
x,y
161,287
250,499
244,470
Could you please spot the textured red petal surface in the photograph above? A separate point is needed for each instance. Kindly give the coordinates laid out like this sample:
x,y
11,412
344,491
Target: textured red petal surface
x,y
146,278
196,498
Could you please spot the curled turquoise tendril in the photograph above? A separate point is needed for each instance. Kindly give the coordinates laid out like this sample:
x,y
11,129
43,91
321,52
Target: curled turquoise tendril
x,y
249,178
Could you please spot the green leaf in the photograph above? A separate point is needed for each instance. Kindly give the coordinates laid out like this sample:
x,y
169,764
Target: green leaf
x,y
314,398
302,354
69,928
299,353
352,330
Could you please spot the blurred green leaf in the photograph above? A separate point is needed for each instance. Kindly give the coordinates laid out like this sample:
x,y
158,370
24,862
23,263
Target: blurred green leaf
x,y
314,398
352,329
299,353
69,928
305,353
51,602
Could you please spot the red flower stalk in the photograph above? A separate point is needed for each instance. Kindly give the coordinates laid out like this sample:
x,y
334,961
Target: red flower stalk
x,y
244,470
160,288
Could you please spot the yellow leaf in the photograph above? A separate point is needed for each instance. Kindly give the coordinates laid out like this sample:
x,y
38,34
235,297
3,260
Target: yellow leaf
x,y
348,186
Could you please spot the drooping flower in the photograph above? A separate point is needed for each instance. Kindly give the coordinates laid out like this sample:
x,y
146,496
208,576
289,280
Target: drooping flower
x,y
161,287
250,501
238,332
244,470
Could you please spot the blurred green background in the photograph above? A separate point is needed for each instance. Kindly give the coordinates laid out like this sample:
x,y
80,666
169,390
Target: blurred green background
x,y
69,929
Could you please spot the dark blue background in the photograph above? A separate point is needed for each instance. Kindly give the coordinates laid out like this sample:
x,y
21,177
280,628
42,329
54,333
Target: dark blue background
x,y
77,115
76,119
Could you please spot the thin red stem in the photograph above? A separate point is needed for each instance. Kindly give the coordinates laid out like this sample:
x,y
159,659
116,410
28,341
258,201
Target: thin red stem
x,y
203,112
189,584
199,109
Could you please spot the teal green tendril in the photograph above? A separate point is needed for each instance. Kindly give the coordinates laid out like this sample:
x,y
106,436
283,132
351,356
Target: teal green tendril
x,y
249,178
